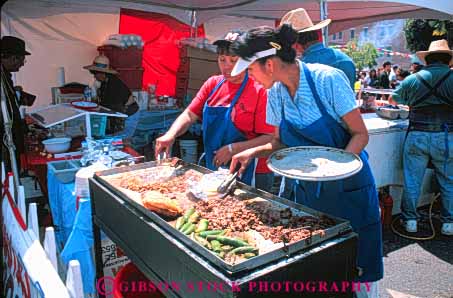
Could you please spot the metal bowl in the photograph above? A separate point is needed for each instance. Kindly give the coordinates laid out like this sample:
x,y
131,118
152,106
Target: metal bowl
x,y
386,113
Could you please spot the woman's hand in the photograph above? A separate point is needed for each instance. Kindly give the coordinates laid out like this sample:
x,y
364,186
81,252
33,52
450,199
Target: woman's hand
x,y
164,143
242,159
222,156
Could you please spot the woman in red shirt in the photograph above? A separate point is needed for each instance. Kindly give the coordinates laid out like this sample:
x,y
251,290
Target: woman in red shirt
x,y
233,112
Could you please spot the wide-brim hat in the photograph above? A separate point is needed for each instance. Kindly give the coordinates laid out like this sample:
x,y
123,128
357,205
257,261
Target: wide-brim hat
x,y
436,46
13,45
301,21
101,64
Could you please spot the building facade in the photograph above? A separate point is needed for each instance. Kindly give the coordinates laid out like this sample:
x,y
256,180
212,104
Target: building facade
x,y
387,35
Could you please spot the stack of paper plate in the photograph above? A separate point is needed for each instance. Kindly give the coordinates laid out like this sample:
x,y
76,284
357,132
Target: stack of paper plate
x,y
81,181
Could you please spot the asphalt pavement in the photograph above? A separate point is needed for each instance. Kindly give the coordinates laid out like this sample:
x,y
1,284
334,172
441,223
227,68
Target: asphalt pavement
x,y
422,269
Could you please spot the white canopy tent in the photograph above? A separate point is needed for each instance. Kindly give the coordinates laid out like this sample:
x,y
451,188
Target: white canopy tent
x,y
65,33
340,11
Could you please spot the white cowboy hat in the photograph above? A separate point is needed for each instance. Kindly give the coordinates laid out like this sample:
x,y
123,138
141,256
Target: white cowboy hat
x,y
437,46
101,64
301,22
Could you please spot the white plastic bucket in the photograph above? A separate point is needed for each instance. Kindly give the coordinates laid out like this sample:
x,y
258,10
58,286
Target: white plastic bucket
x,y
188,150
142,100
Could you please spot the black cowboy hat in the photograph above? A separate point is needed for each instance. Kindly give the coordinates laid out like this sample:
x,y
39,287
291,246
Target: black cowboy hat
x,y
13,45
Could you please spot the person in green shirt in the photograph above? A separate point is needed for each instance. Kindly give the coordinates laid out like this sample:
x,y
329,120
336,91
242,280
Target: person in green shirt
x,y
429,95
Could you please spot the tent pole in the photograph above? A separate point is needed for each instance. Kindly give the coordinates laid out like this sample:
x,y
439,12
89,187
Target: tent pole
x,y
193,24
323,11
8,140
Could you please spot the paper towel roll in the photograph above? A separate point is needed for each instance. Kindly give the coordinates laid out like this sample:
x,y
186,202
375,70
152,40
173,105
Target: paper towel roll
x,y
143,98
61,78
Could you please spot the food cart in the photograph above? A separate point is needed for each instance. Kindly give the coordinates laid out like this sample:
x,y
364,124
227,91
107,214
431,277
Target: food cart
x,y
324,249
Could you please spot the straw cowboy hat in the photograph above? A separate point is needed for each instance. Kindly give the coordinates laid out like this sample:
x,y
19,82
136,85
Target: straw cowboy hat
x,y
301,22
437,46
101,64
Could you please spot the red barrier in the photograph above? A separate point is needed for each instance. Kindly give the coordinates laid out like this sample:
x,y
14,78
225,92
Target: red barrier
x,y
125,280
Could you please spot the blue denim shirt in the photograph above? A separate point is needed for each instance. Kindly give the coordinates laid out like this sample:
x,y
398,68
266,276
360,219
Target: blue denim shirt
x,y
318,53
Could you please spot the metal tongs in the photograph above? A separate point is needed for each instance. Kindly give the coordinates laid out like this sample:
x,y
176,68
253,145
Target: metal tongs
x,y
161,156
174,162
228,185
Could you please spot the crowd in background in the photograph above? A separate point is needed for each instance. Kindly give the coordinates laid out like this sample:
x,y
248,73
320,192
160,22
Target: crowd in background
x,y
385,77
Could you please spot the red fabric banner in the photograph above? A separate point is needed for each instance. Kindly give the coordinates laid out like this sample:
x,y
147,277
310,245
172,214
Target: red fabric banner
x,y
161,35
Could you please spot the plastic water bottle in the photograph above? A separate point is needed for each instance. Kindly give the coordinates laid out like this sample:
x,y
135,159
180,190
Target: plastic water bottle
x,y
87,93
93,92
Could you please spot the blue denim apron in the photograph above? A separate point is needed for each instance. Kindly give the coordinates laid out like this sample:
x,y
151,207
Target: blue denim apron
x,y
219,130
354,198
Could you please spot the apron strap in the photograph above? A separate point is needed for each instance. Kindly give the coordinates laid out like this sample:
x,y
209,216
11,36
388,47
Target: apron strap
x,y
282,104
432,90
447,148
219,84
311,83
237,95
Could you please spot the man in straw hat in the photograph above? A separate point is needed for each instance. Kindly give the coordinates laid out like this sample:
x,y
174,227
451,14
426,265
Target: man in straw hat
x,y
12,59
310,47
429,94
113,93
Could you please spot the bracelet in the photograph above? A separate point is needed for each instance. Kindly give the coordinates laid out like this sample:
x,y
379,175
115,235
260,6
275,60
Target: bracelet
x,y
230,148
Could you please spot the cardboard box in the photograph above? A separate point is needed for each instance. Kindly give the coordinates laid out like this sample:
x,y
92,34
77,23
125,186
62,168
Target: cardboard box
x,y
132,77
202,69
113,259
130,57
181,82
201,54
195,84
192,92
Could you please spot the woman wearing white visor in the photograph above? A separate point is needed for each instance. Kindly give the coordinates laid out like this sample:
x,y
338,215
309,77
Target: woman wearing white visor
x,y
232,110
313,105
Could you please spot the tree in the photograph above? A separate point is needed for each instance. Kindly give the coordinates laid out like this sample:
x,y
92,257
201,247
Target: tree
x,y
363,56
420,33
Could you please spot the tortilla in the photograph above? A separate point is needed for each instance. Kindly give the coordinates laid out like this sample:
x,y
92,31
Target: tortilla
x,y
315,163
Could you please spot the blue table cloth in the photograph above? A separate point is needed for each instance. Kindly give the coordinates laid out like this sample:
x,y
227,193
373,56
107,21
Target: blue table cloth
x,y
62,201
73,228
79,246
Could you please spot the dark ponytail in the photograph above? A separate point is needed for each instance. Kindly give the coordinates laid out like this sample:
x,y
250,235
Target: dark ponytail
x,y
286,37
264,38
